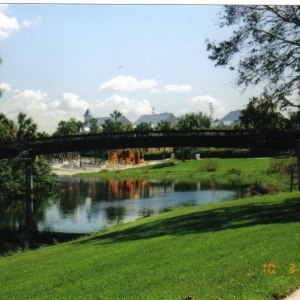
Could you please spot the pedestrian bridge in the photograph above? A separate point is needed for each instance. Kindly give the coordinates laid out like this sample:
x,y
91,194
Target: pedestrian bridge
x,y
280,140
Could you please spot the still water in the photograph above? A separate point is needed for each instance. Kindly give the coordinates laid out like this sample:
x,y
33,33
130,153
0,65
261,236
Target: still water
x,y
82,206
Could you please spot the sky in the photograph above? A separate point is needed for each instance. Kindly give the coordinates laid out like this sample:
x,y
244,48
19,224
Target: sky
x,y
58,60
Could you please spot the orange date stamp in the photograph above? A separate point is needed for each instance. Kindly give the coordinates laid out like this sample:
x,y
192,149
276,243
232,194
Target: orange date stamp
x,y
271,268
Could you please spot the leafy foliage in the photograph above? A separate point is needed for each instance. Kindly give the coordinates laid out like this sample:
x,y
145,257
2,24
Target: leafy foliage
x,y
94,128
163,125
116,114
210,166
26,127
42,174
262,114
8,129
12,171
70,127
294,120
267,41
12,175
193,121
144,126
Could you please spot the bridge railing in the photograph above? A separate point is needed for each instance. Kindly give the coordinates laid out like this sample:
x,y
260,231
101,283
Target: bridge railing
x,y
172,138
137,134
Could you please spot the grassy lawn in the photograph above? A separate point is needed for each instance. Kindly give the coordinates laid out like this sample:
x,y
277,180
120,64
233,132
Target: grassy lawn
x,y
246,170
215,251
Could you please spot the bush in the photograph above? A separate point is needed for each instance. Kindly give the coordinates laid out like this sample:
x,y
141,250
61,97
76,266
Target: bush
x,y
234,171
159,155
210,166
282,166
261,188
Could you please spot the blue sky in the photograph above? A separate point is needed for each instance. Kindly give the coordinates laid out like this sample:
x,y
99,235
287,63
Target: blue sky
x,y
59,60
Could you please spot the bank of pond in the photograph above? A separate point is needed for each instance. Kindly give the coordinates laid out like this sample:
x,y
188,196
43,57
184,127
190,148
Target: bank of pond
x,y
81,206
245,249
89,202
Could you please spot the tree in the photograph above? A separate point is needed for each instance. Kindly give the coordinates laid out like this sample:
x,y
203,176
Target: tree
x,y
193,121
108,126
26,127
294,120
8,129
127,128
94,128
163,125
116,114
70,127
266,40
42,134
144,126
262,114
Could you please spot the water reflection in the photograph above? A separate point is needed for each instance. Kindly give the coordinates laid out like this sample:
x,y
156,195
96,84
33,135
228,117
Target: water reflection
x,y
81,206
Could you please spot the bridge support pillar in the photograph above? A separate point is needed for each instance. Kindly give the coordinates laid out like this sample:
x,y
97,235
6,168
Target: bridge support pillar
x,y
29,175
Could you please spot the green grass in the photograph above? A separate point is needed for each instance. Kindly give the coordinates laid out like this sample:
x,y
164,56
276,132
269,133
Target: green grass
x,y
249,169
216,251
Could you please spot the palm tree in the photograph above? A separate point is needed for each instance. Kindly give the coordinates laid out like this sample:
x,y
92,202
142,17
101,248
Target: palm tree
x,y
26,127
116,114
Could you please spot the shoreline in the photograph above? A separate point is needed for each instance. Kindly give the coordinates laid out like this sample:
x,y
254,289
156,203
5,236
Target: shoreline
x,y
63,170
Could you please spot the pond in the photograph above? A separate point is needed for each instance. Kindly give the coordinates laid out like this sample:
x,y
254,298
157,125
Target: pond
x,y
82,206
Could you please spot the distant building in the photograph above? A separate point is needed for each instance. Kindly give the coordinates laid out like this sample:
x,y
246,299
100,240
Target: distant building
x,y
122,119
155,118
100,121
86,123
229,120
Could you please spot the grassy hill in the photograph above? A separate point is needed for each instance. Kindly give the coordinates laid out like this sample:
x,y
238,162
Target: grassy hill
x,y
244,249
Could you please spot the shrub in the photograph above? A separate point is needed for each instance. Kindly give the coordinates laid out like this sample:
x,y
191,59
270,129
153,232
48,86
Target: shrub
x,y
282,166
159,155
234,171
261,188
210,166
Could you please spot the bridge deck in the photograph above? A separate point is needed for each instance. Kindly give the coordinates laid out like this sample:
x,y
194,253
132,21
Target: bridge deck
x,y
173,138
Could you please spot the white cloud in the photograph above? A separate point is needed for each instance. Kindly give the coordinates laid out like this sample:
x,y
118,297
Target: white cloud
x,y
72,102
3,7
28,101
154,91
45,112
182,111
34,23
203,102
31,95
126,83
7,25
5,87
171,88
132,108
53,105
